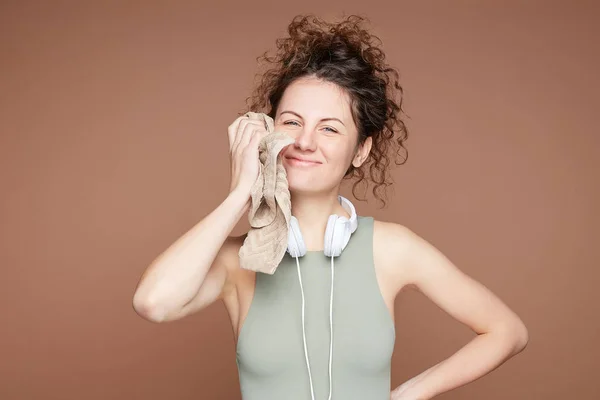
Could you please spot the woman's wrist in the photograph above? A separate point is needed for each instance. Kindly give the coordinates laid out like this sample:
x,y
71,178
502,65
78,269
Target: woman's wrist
x,y
239,199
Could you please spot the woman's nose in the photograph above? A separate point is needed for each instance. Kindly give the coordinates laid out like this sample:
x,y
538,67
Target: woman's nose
x,y
306,140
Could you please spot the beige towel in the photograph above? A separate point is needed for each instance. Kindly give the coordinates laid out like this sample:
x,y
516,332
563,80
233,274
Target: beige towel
x,y
270,209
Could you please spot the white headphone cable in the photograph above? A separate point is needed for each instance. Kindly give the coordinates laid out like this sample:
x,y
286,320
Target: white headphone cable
x,y
331,331
312,390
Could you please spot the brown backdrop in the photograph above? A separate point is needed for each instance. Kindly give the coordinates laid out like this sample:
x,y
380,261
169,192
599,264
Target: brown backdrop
x,y
113,143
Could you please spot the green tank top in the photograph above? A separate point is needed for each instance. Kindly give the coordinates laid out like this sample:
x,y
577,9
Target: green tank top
x,y
270,352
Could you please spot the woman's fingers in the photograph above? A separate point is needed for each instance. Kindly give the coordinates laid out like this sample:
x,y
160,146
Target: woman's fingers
x,y
245,132
232,130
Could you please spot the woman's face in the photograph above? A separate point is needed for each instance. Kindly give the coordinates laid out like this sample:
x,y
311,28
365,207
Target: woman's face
x,y
317,115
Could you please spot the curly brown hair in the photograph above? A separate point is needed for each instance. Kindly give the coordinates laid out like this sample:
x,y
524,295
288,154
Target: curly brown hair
x,y
348,55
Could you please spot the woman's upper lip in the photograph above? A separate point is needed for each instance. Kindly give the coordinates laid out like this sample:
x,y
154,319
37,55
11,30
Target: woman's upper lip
x,y
303,159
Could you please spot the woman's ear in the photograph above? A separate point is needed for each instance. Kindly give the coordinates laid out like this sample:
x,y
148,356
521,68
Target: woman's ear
x,y
362,152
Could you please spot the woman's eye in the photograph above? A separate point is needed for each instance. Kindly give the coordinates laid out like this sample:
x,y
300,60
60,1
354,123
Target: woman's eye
x,y
292,122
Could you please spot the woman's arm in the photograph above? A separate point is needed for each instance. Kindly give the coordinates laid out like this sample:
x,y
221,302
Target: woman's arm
x,y
501,334
480,356
192,272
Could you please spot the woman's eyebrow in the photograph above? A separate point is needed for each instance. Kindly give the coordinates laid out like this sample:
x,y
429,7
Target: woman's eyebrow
x,y
322,119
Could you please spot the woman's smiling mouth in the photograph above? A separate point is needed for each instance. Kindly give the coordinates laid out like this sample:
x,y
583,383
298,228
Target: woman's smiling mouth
x,y
301,162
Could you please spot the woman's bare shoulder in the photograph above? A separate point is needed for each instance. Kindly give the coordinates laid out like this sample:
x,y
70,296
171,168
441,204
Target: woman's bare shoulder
x,y
387,233
392,242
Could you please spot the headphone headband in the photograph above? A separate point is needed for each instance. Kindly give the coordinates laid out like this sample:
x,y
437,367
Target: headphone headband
x,y
337,233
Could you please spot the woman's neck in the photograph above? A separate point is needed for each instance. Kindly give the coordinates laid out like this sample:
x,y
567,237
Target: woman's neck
x,y
312,212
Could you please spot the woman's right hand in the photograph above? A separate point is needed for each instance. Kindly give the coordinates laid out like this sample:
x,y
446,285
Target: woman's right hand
x,y
195,270
245,135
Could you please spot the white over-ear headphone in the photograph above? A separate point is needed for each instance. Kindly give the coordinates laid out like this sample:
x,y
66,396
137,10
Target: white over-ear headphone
x,y
337,235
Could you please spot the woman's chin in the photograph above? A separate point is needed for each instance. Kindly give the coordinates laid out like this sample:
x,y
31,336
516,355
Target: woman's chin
x,y
301,187
305,186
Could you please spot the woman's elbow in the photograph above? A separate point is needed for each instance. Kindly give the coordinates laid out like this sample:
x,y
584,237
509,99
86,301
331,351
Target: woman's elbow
x,y
517,335
522,337
147,308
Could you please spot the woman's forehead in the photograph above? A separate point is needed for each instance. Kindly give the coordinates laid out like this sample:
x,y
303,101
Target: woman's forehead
x,y
316,99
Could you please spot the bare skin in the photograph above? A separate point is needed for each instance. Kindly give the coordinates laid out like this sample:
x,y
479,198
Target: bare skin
x,y
202,266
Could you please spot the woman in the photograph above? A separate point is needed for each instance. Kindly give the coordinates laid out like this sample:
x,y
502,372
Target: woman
x,y
331,91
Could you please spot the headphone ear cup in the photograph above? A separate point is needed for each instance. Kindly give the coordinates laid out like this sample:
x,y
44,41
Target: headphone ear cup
x,y
296,246
334,234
